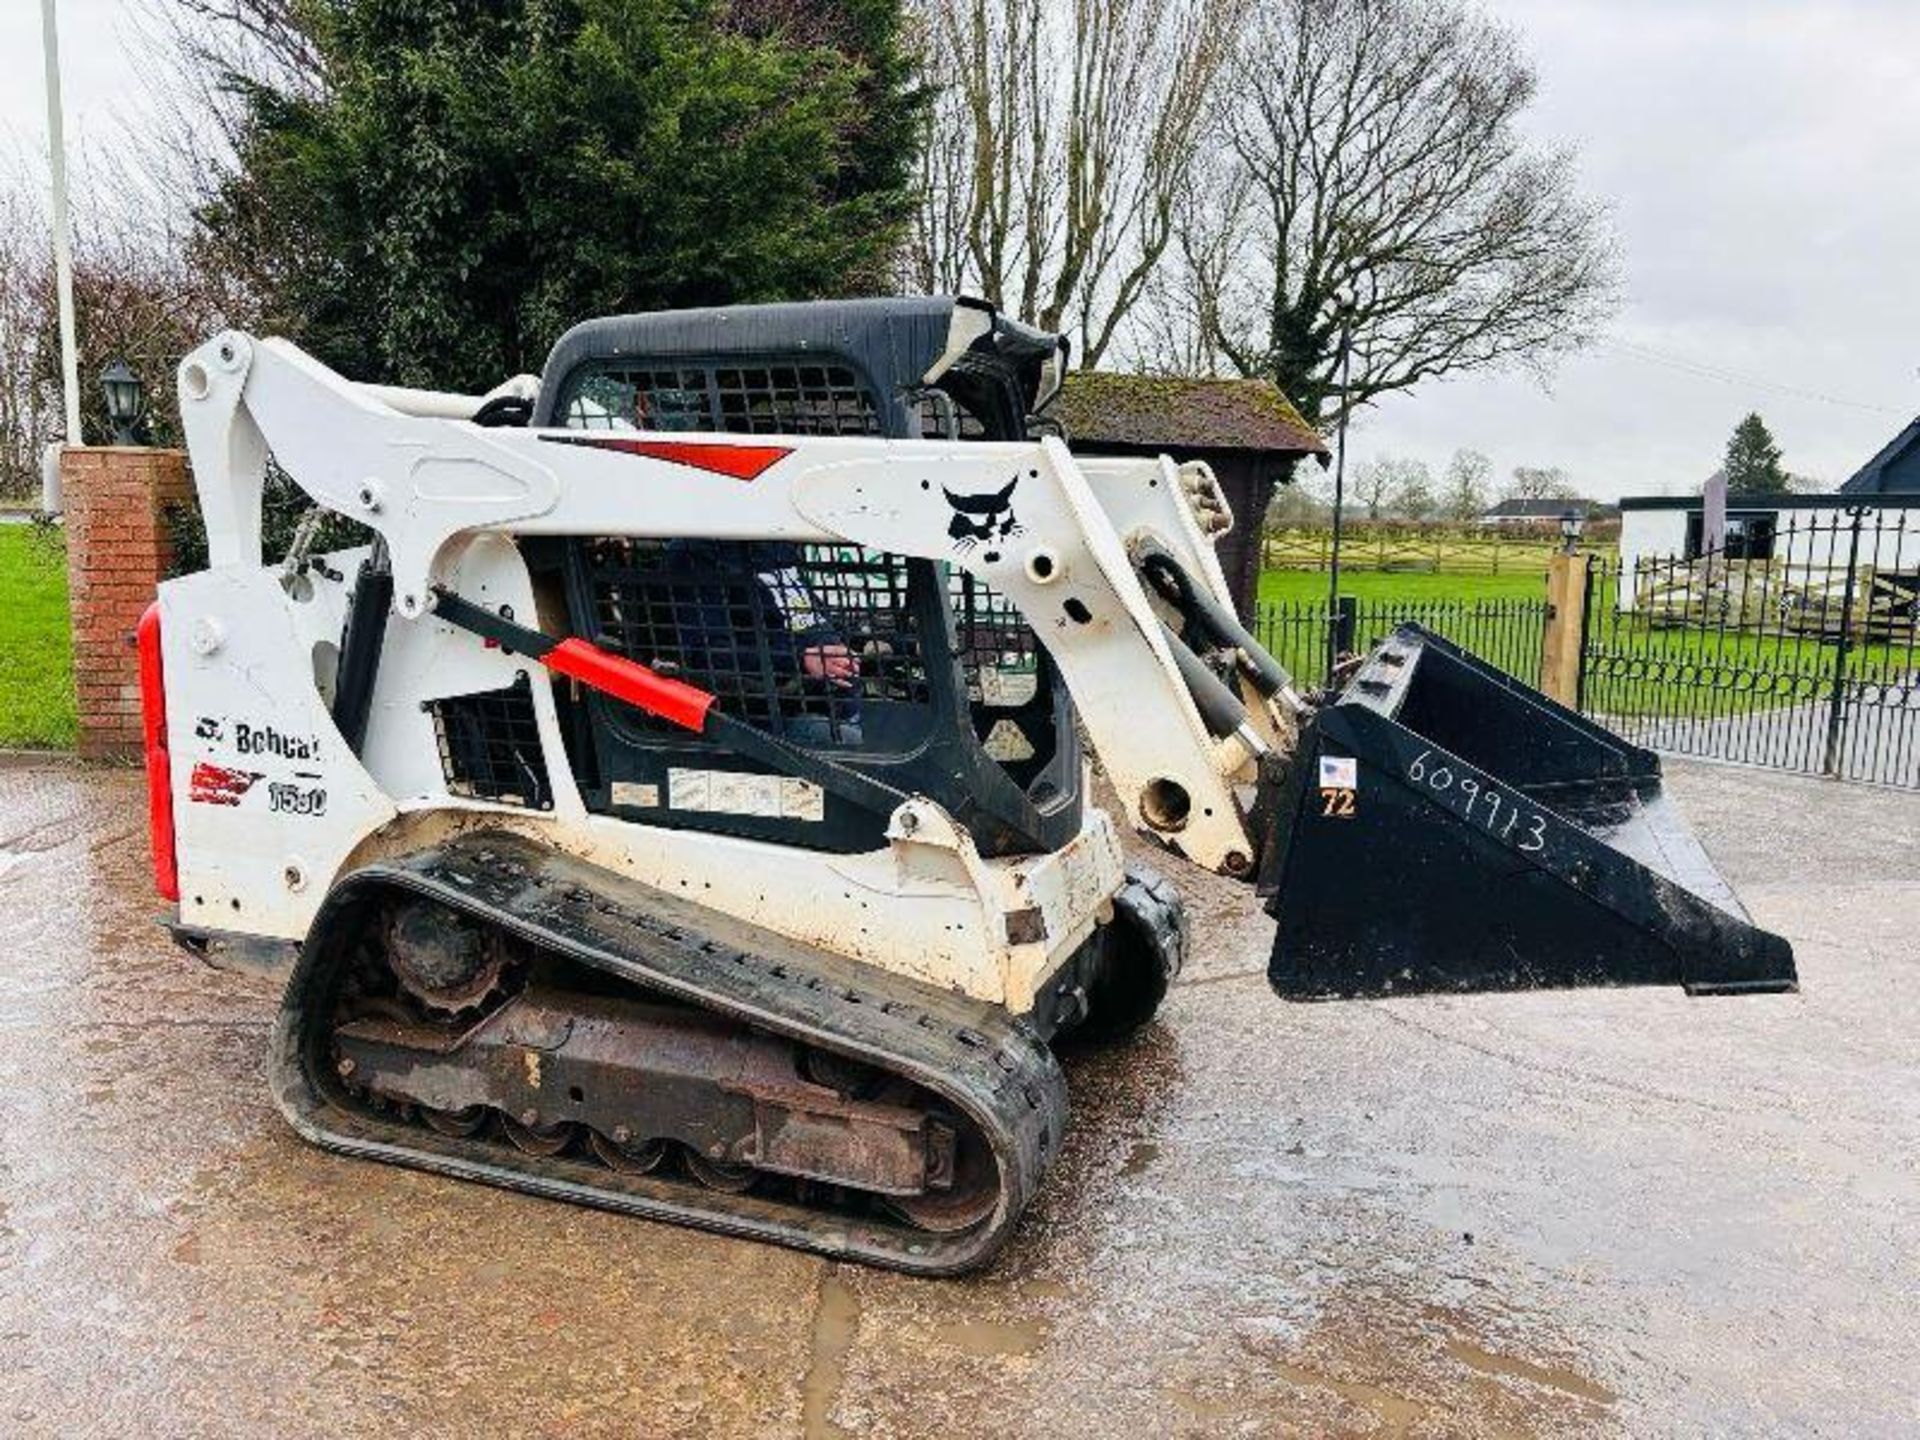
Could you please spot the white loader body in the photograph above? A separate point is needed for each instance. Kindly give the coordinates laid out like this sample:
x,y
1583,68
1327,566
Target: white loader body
x,y
270,804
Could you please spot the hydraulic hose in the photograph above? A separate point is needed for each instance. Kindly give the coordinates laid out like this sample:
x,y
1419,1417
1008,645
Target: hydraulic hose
x,y
1214,622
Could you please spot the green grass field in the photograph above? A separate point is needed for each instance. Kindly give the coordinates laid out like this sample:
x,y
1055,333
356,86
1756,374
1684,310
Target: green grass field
x,y
1639,670
1306,586
36,651
1699,670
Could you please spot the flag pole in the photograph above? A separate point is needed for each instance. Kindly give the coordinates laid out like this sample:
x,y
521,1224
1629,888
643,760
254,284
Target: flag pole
x,y
62,226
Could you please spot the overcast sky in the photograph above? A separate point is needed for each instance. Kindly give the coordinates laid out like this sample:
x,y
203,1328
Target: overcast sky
x,y
1759,157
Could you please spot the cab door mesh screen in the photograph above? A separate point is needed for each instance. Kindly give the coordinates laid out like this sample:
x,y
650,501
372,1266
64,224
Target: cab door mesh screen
x,y
800,640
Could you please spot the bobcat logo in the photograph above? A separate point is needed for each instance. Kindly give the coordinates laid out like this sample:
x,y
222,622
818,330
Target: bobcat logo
x,y
982,519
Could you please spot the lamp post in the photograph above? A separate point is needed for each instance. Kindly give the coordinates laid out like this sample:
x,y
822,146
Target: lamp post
x,y
1572,522
1343,304
126,401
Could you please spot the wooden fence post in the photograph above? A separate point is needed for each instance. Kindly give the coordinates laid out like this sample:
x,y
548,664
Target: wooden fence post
x,y
1566,627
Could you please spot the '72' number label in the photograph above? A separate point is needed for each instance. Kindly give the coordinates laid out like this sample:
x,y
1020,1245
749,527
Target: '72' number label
x,y
1527,822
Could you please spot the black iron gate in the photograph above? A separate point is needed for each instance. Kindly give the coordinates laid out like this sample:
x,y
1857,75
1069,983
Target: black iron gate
x,y
1505,632
1793,647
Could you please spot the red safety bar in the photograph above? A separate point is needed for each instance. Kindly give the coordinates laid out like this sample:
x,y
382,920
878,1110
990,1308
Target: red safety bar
x,y
628,680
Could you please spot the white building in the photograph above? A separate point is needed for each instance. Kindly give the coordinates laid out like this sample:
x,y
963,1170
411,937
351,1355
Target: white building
x,y
1804,535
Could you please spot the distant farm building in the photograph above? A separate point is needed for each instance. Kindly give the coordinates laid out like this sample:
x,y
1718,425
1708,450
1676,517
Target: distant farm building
x,y
1544,512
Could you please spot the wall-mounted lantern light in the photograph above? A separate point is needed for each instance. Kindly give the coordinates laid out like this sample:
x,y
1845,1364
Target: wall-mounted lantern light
x,y
1571,524
126,402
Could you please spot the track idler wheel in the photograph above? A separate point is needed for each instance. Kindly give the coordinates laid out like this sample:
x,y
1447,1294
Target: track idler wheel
x,y
964,1204
537,1139
719,1175
629,1157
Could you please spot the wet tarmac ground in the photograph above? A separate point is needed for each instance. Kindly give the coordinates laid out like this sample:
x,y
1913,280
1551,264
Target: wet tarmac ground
x,y
1549,1214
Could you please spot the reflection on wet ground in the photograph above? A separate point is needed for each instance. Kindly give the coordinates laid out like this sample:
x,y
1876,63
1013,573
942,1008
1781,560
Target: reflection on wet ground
x,y
1524,1215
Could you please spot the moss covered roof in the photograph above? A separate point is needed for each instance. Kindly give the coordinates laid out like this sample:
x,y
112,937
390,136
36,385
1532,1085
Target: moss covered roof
x,y
1177,413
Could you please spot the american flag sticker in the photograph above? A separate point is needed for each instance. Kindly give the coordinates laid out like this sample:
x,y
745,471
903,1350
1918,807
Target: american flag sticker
x,y
1339,772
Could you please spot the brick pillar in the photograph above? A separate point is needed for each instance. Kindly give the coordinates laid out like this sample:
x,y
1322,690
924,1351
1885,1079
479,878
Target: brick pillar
x,y
117,551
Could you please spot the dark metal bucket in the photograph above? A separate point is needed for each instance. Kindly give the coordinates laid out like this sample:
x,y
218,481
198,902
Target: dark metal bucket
x,y
1444,827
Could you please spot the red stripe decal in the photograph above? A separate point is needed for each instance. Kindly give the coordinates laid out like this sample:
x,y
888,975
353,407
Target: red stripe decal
x,y
742,462
212,784
672,700
153,727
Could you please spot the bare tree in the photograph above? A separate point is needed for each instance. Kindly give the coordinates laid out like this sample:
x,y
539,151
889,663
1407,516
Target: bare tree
x,y
1467,487
1058,148
1299,504
1372,483
138,297
1540,482
213,43
28,415
206,56
1412,496
1374,174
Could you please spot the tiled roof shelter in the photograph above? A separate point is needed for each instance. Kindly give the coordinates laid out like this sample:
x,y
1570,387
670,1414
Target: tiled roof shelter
x,y
1246,430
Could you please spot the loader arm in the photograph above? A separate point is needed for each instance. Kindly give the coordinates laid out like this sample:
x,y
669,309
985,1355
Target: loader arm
x,y
424,483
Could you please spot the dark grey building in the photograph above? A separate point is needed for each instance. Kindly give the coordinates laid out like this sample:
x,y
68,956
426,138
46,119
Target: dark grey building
x,y
1546,512
1894,471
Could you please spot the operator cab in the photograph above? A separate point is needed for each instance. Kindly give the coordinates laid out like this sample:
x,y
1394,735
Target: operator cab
x,y
908,670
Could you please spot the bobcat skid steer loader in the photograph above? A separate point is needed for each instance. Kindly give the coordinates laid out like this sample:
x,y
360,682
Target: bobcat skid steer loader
x,y
677,803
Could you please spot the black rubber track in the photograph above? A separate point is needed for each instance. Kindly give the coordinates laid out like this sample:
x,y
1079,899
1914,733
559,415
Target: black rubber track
x,y
991,1068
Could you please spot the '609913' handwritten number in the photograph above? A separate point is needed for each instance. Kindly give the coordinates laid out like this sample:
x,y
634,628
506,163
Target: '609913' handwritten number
x,y
1531,824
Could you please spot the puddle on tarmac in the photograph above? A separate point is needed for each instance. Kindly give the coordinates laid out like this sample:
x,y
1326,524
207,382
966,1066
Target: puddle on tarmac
x,y
1554,1377
1395,1411
1407,1367
988,1338
1143,1154
835,1323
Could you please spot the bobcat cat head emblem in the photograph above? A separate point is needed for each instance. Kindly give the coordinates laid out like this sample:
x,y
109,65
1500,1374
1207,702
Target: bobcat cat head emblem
x,y
982,519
